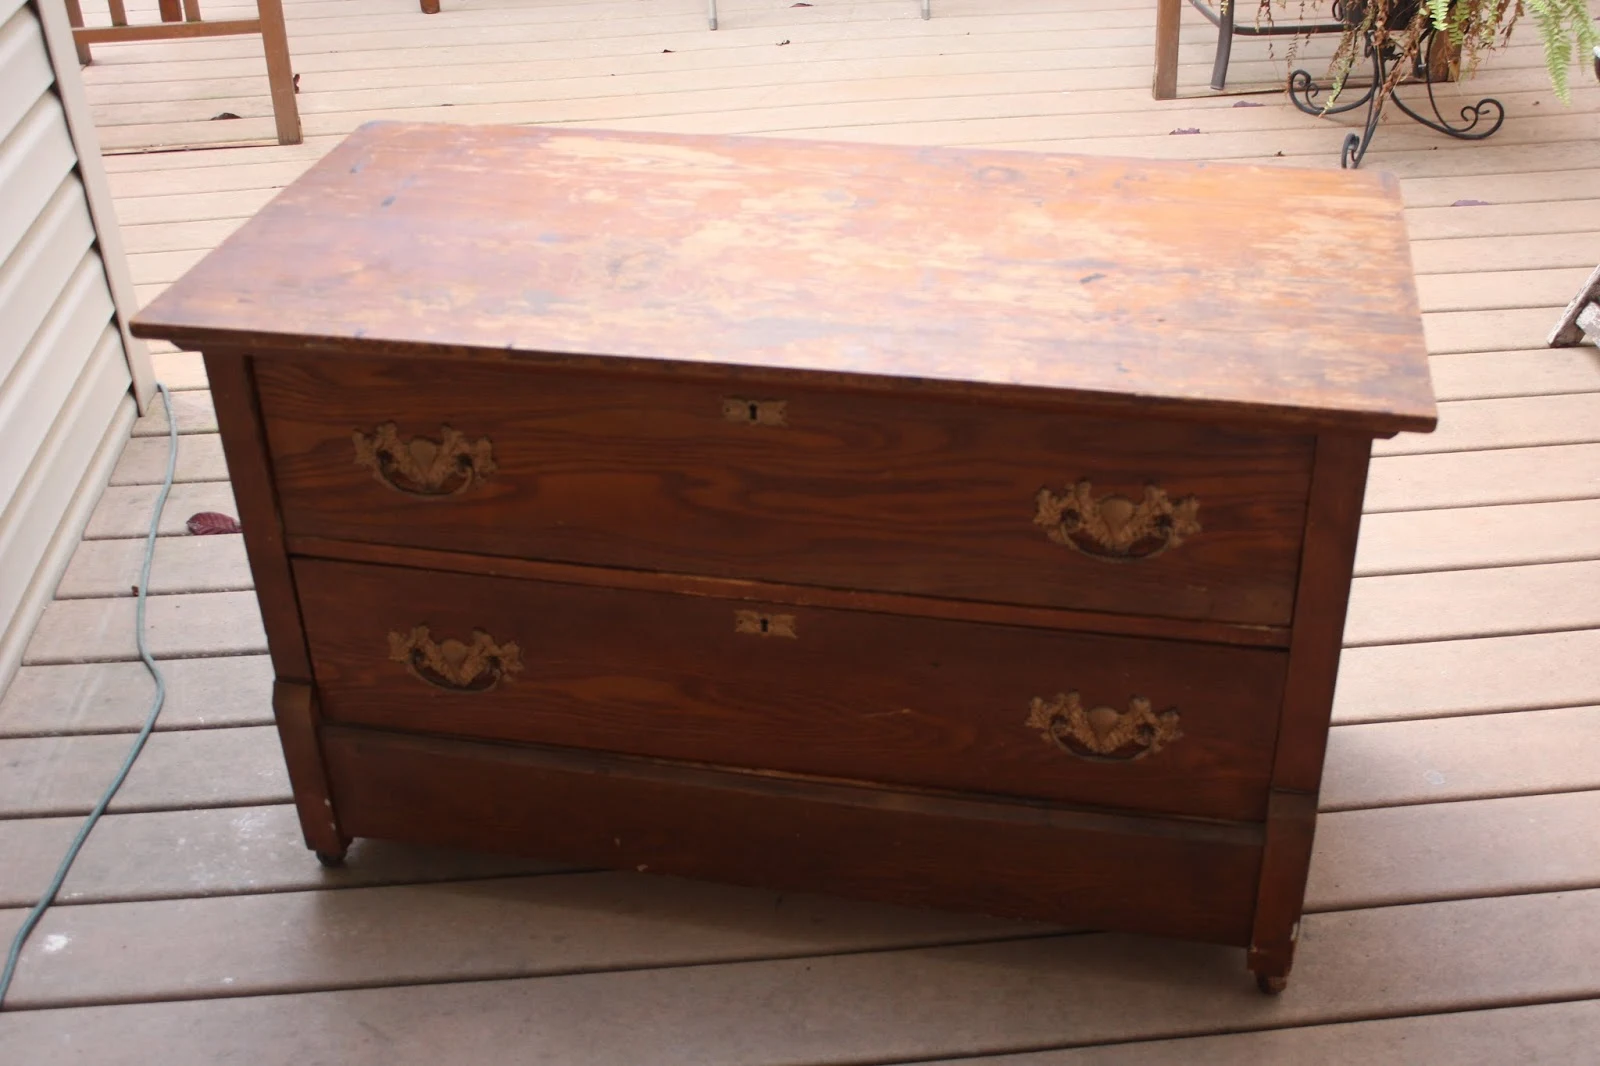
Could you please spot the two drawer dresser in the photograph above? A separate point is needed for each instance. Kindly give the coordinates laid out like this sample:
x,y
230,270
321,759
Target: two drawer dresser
x,y
966,529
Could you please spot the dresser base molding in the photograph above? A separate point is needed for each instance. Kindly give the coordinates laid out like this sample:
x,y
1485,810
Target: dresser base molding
x,y
1037,862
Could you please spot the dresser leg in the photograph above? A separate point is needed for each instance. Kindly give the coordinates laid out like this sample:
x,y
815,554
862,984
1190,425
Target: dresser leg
x,y
294,707
1291,824
1271,965
1272,984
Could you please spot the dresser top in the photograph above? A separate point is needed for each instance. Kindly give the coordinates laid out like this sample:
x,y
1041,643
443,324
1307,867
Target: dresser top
x,y
1244,293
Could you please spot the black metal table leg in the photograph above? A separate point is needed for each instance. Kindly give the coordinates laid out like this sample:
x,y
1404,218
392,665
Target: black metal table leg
x,y
1225,19
1219,69
1304,91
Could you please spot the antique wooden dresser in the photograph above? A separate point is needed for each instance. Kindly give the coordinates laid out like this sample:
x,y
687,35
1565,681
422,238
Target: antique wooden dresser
x,y
969,529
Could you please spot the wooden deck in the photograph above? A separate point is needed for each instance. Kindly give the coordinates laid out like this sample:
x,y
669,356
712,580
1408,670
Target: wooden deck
x,y
1456,885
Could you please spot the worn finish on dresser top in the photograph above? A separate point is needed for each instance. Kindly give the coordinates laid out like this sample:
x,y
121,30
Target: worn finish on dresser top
x,y
960,528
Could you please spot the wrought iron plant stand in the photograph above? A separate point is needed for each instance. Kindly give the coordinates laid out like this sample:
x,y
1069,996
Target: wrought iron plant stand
x,y
1304,90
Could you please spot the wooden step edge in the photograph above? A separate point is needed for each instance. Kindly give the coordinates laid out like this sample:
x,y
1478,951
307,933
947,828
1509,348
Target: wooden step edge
x,y
792,595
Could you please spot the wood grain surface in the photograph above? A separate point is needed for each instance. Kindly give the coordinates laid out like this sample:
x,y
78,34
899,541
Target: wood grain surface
x,y
1141,874
853,490
871,697
892,603
1141,285
1333,524
294,702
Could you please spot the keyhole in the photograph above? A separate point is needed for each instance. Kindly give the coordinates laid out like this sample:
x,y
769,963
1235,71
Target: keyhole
x,y
754,412
759,624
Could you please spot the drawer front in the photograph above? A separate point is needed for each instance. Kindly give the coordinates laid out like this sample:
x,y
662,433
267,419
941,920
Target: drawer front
x,y
855,491
1117,722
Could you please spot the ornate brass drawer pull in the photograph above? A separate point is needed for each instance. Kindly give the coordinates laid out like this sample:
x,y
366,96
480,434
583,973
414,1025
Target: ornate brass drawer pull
x,y
1103,734
1114,527
422,467
475,666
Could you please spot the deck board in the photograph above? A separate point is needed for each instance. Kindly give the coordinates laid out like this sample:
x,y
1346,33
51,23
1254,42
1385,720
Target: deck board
x,y
1432,851
229,690
144,460
209,851
179,770
1530,372
179,371
1482,479
1488,220
102,568
896,1006
192,409
124,510
1519,188
1572,248
1458,604
1391,682
466,931
1436,760
178,626
1457,873
1554,1034
1502,289
1512,422
1408,542
1491,330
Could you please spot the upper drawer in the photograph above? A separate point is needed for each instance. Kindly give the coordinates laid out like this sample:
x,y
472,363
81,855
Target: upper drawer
x,y
848,490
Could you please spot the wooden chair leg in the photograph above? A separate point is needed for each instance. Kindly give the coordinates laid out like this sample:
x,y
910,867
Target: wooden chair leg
x,y
75,20
119,13
1166,78
191,10
1570,329
430,7
280,73
171,11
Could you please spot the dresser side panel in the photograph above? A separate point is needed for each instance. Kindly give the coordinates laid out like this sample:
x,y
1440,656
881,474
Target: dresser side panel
x,y
1338,484
1333,524
294,701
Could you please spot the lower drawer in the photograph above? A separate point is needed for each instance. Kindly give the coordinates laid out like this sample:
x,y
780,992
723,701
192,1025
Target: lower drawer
x,y
1116,722
1133,874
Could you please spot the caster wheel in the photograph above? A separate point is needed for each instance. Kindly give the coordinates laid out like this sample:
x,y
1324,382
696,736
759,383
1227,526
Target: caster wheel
x,y
330,859
1270,984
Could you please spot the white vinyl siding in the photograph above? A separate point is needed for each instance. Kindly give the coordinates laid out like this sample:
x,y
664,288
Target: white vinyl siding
x,y
65,405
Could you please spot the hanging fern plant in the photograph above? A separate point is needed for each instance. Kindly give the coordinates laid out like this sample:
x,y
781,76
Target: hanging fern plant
x,y
1472,27
1563,26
